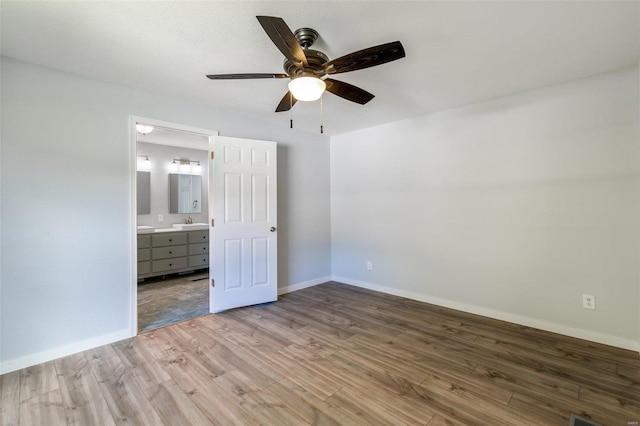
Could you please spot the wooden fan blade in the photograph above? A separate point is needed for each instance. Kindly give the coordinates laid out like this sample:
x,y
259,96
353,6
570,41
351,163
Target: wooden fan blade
x,y
287,102
365,58
281,35
244,76
348,91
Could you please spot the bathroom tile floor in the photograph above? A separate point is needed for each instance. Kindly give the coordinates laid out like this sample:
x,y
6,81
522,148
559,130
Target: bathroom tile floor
x,y
174,299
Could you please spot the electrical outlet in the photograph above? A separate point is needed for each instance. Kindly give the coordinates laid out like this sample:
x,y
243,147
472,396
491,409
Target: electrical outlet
x,y
160,218
588,301
369,265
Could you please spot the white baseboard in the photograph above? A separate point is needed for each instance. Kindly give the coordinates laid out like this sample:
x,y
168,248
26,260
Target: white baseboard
x,y
305,284
592,336
62,351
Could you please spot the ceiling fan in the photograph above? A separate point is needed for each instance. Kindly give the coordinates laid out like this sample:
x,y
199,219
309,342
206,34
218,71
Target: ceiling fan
x,y
306,67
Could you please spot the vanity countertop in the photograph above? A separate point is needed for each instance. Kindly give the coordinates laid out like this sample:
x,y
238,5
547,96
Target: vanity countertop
x,y
167,230
143,229
152,230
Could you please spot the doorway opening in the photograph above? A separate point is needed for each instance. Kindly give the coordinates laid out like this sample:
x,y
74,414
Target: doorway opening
x,y
172,245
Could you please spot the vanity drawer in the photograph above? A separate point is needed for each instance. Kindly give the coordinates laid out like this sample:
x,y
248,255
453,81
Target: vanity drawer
x,y
144,255
168,264
144,268
198,248
199,260
168,252
144,241
169,239
198,237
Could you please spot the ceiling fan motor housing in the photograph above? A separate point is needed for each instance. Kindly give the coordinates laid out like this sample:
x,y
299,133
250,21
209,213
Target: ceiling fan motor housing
x,y
315,59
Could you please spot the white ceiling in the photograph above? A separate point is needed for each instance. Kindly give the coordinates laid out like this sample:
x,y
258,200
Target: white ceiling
x,y
457,52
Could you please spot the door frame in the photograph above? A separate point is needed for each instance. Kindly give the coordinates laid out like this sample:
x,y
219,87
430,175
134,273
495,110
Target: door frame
x,y
133,218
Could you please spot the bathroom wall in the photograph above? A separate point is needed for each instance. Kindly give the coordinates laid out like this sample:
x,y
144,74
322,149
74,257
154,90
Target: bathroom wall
x,y
161,157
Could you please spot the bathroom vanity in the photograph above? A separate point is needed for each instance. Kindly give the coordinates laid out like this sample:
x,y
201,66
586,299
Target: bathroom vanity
x,y
167,251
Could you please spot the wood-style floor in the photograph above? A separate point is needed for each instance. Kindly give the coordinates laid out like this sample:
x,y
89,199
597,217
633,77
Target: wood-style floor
x,y
332,354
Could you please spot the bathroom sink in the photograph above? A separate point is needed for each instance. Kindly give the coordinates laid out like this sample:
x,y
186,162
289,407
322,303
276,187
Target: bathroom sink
x,y
144,229
191,226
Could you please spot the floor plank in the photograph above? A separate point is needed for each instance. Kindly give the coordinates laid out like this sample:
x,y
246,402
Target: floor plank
x,y
10,399
81,396
264,405
174,406
43,409
197,382
125,399
38,380
306,405
143,367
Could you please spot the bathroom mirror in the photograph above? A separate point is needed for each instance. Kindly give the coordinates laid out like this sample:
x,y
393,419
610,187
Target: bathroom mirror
x,y
143,184
185,193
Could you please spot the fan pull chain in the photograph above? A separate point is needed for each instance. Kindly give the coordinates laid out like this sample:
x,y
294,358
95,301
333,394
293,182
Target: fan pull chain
x,y
321,114
290,110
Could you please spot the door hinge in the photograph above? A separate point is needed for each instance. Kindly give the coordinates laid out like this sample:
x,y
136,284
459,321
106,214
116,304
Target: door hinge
x,y
213,223
213,282
213,155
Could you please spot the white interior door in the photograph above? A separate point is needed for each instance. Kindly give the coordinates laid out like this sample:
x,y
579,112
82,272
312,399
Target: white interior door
x,y
243,248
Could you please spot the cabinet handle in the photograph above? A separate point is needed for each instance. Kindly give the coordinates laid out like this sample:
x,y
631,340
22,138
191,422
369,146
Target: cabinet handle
x,y
170,240
171,264
204,248
170,252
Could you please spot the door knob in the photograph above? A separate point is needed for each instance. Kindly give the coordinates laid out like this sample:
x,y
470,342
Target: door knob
x,y
273,229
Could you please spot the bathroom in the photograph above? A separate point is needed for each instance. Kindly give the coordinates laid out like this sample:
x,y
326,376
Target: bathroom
x,y
172,214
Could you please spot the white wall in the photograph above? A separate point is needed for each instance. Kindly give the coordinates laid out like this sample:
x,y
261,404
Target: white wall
x,y
66,226
511,208
160,157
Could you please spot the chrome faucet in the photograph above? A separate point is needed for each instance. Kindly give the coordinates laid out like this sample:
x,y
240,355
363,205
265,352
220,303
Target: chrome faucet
x,y
188,221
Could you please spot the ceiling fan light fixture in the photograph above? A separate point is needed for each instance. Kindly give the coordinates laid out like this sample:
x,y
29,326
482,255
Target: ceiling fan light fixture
x,y
307,88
